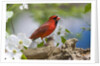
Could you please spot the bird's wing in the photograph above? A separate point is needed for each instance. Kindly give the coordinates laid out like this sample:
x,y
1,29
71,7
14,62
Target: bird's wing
x,y
40,31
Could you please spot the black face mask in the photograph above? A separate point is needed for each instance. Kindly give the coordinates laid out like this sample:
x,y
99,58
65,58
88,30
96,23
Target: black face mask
x,y
55,20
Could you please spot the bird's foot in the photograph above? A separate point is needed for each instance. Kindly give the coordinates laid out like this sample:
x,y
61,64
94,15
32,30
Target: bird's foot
x,y
46,44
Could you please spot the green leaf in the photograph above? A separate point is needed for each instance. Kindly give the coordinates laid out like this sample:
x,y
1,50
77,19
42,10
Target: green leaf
x,y
83,28
58,33
78,35
40,45
88,29
25,47
63,40
21,50
87,8
57,45
67,31
23,57
46,39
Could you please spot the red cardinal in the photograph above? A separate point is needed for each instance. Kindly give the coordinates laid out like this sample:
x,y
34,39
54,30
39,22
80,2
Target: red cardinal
x,y
46,29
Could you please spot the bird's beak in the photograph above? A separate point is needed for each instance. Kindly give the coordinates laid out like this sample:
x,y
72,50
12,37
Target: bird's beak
x,y
58,18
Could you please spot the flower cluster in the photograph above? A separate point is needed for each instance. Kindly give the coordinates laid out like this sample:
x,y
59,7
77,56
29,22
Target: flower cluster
x,y
59,32
15,45
23,6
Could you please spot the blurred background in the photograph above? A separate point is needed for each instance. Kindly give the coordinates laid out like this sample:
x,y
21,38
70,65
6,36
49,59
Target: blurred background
x,y
75,20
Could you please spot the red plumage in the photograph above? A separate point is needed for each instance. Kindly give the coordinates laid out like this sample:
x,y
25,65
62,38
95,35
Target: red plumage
x,y
45,29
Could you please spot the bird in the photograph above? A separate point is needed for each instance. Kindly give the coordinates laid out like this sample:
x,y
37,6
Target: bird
x,y
45,29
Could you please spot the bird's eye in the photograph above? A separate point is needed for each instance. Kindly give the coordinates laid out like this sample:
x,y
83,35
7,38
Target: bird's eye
x,y
55,18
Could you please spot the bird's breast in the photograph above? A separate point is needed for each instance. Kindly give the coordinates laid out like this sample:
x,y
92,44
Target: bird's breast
x,y
49,31
52,27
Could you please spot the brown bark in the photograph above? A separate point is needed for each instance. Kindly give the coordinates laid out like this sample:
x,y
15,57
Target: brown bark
x,y
68,51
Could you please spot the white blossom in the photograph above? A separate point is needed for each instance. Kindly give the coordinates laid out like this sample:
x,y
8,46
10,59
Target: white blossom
x,y
23,6
23,40
9,14
56,36
14,45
